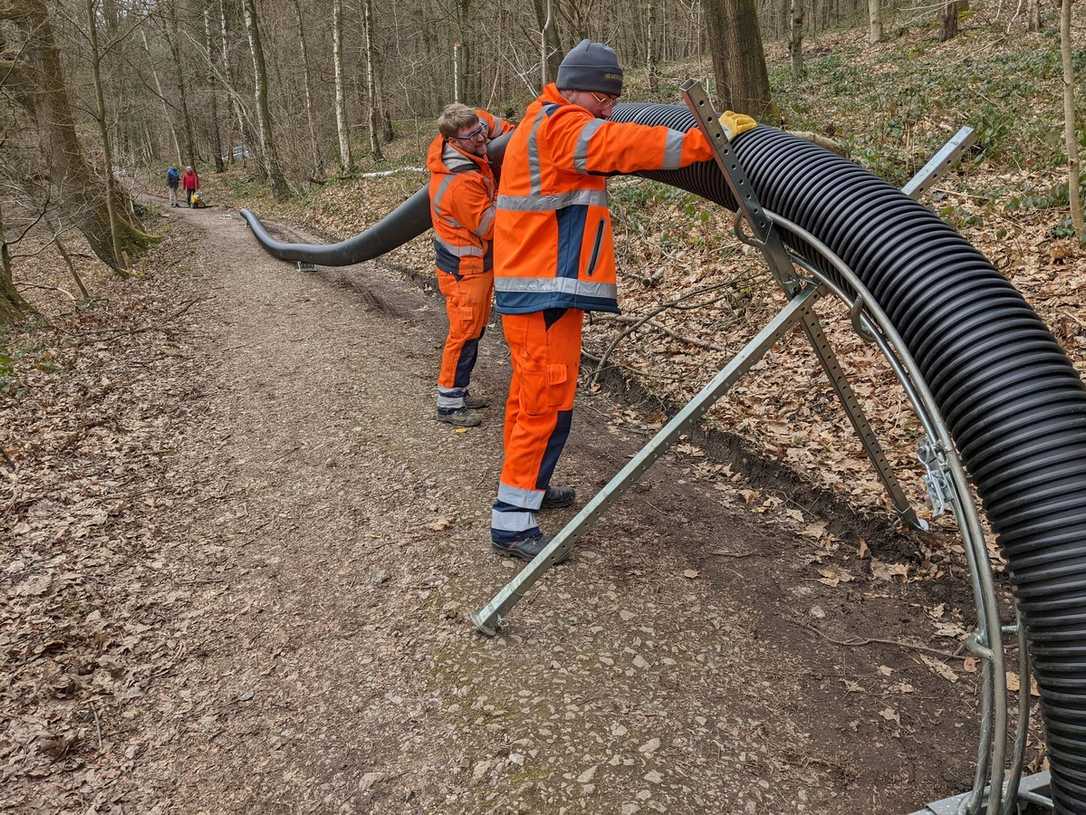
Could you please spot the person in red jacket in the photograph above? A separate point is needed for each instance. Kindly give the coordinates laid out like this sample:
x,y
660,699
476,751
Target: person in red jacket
x,y
554,260
462,192
190,183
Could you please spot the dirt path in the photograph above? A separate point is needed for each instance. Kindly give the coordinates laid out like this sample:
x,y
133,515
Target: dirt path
x,y
336,536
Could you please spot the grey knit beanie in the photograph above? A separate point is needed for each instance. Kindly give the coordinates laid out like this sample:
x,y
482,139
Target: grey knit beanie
x,y
590,66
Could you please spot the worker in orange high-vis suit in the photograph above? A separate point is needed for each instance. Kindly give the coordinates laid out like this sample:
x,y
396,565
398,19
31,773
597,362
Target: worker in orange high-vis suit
x,y
554,260
462,193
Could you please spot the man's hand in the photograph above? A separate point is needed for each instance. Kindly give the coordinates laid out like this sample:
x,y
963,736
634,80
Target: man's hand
x,y
736,123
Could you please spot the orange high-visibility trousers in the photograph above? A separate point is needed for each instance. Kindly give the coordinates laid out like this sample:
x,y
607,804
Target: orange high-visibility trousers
x,y
545,347
467,304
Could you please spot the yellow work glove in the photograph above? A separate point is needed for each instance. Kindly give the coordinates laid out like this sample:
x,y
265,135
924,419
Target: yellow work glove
x,y
736,123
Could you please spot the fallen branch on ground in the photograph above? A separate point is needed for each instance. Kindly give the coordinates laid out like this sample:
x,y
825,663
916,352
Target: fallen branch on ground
x,y
646,317
855,642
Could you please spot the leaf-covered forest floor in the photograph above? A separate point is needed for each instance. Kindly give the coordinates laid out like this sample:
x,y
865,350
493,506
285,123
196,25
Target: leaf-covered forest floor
x,y
238,555
237,552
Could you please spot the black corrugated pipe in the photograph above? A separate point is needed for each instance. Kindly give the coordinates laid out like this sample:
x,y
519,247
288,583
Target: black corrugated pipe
x,y
1014,404
409,220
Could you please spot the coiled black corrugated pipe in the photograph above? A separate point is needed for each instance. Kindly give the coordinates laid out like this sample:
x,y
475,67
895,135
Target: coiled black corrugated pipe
x,y
1014,404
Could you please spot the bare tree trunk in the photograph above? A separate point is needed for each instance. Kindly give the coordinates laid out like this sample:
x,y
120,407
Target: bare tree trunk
x,y
175,51
1034,15
950,20
546,15
228,72
263,114
342,128
371,85
738,58
874,21
650,46
103,129
62,250
457,73
216,138
37,82
162,98
388,134
1074,185
795,39
314,144
12,304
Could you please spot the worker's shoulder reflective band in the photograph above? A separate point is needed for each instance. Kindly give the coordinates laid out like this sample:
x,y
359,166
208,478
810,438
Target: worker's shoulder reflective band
x,y
580,152
460,251
526,499
673,150
496,125
534,175
546,203
556,285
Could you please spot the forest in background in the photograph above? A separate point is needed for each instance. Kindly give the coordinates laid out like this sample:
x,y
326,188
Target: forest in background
x,y
302,93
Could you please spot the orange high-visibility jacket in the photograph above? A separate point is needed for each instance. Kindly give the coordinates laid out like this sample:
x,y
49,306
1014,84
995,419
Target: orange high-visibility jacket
x,y
495,125
552,237
462,202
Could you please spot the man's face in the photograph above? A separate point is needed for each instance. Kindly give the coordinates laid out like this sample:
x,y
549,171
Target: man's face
x,y
600,105
472,139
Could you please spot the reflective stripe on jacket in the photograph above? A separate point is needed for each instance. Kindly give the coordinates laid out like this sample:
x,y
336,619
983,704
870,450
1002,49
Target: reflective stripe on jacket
x,y
462,208
552,236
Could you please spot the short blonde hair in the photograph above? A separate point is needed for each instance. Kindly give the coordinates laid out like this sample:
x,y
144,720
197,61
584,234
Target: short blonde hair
x,y
454,117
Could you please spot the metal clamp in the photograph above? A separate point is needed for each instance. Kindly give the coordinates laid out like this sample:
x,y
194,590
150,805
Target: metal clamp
x,y
936,475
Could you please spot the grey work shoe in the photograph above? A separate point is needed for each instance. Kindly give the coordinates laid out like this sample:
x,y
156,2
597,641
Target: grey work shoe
x,y
459,417
527,549
558,497
475,402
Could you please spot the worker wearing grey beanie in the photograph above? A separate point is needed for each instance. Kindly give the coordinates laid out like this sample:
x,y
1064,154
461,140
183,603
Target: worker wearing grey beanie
x,y
554,259
590,66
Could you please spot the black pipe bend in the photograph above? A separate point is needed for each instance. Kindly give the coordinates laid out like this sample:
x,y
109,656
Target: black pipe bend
x,y
1011,398
409,220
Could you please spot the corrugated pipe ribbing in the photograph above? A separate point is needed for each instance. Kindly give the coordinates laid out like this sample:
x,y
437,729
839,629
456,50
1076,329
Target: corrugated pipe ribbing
x,y
1014,404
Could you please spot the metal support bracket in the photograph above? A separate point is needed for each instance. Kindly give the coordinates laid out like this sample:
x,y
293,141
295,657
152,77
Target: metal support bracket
x,y
768,241
489,618
947,156
936,475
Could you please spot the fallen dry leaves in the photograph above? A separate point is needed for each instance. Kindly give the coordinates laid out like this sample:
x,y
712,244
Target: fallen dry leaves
x,y
88,418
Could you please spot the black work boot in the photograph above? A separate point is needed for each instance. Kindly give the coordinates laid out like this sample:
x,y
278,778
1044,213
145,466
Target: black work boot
x,y
475,402
558,497
527,549
459,417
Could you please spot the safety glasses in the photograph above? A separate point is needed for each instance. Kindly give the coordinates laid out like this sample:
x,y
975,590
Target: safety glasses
x,y
603,98
478,133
